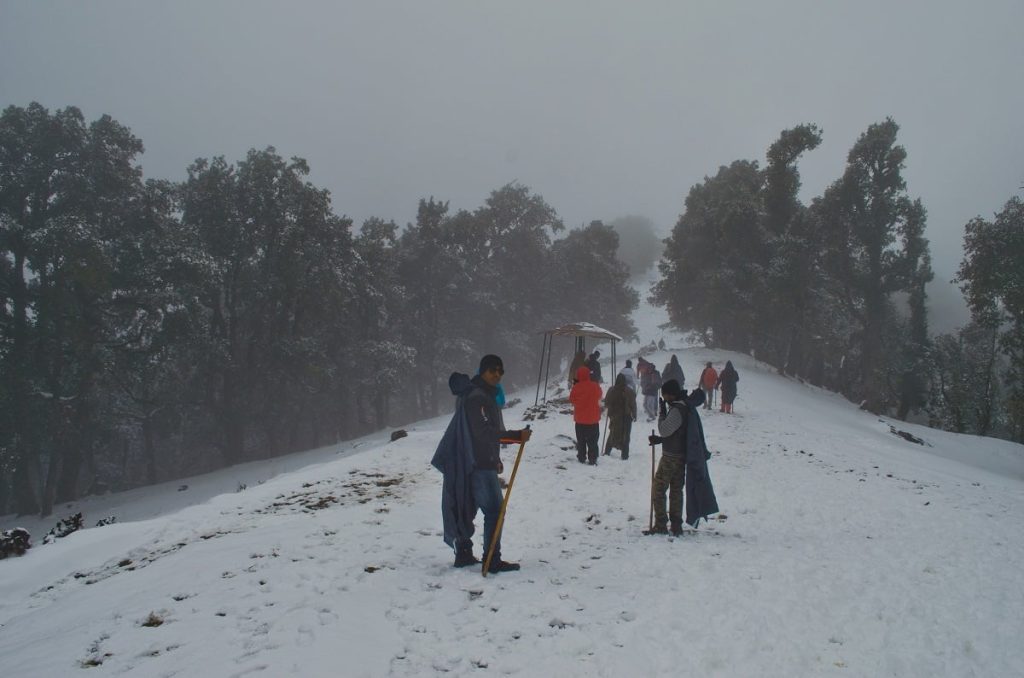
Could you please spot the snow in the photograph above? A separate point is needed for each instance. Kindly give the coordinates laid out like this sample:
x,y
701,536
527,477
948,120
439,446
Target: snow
x,y
841,550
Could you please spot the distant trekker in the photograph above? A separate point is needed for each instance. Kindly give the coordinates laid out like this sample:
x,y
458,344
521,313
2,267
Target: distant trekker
x,y
708,384
727,380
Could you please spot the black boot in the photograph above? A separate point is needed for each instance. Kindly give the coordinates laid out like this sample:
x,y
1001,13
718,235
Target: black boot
x,y
464,556
499,565
677,529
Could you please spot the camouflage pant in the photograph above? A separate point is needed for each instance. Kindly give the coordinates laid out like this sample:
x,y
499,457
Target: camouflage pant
x,y
670,476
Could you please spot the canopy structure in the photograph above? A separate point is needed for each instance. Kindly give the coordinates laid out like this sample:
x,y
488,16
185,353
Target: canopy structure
x,y
581,332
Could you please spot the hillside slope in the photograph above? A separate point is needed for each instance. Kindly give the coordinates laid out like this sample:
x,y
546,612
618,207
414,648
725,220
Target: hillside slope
x,y
841,550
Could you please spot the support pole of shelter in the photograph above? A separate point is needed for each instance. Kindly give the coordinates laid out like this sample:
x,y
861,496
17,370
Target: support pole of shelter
x,y
547,373
540,369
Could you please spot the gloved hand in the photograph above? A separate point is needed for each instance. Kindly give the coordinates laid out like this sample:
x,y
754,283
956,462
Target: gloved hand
x,y
654,440
501,468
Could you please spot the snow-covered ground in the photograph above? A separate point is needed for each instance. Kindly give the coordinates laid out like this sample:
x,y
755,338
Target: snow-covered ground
x,y
842,550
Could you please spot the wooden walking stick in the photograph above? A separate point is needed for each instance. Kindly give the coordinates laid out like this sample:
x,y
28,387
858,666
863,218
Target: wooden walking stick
x,y
650,522
501,514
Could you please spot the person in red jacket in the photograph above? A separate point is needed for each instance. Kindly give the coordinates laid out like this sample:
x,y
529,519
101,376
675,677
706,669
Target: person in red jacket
x,y
585,397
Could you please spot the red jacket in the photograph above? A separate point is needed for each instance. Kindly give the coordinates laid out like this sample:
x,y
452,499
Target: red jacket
x,y
708,377
585,397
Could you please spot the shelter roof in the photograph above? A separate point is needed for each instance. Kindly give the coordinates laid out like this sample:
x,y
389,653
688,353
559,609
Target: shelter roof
x,y
584,330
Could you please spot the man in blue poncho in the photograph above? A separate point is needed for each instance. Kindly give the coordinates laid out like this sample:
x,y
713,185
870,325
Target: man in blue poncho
x,y
469,457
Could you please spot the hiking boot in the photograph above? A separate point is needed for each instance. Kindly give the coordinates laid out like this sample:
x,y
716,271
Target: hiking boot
x,y
592,462
465,559
625,456
677,530
499,565
581,460
657,529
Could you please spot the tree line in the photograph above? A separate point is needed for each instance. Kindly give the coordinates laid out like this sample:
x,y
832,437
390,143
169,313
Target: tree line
x,y
835,292
151,329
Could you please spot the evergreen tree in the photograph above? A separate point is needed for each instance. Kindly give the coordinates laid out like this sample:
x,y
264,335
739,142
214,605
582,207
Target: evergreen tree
x,y
64,191
992,278
794,248
384,361
713,269
964,384
593,284
864,214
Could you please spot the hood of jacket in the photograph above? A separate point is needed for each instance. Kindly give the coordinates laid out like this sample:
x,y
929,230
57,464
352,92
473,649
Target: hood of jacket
x,y
583,374
460,384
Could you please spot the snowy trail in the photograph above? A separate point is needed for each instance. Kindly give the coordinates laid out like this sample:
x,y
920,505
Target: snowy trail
x,y
842,550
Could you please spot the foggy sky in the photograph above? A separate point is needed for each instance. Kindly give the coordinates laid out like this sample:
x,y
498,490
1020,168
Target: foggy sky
x,y
604,108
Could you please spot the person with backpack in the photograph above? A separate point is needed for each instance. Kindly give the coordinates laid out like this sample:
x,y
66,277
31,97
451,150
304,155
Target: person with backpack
x,y
585,397
684,456
621,404
469,456
650,385
673,371
643,367
708,384
727,381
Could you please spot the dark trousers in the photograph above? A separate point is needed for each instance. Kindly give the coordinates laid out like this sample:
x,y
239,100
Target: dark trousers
x,y
588,439
487,495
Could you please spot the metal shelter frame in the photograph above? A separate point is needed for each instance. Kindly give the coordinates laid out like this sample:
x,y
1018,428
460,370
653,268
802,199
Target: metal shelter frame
x,y
580,331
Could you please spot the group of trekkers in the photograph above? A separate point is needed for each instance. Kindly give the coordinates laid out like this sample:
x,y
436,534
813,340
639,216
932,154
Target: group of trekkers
x,y
469,452
710,381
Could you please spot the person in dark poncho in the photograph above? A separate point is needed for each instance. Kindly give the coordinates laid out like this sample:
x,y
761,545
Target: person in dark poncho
x,y
727,380
469,457
621,404
673,370
683,462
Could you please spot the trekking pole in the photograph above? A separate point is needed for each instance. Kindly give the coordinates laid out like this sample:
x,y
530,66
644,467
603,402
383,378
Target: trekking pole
x,y
501,514
650,521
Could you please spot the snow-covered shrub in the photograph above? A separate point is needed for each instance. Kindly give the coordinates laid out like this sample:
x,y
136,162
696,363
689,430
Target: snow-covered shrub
x,y
14,542
63,528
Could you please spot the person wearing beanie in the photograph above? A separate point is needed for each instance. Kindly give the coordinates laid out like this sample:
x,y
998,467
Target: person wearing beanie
x,y
469,456
681,436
